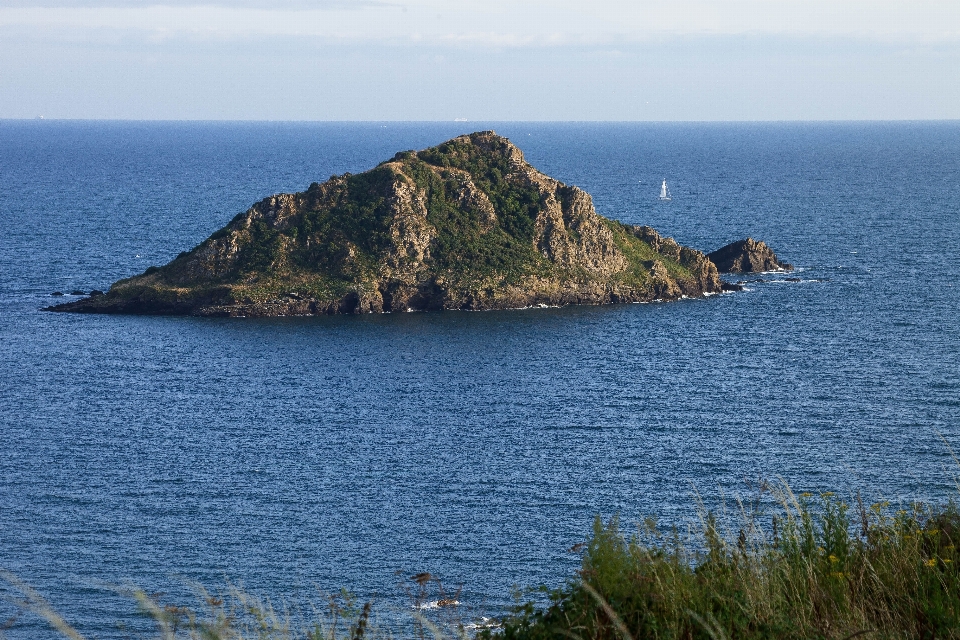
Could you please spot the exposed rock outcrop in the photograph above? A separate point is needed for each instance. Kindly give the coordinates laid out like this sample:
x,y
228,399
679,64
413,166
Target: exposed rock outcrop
x,y
464,225
747,256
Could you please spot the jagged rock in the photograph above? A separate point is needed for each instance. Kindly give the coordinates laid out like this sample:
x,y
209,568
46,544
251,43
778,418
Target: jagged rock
x,y
78,292
747,256
57,294
467,224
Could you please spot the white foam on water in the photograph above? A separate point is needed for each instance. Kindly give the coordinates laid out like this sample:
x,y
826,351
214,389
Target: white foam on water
x,y
772,272
484,623
795,281
435,604
532,306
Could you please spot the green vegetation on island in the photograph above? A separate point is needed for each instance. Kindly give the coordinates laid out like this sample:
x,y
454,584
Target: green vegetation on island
x,y
468,224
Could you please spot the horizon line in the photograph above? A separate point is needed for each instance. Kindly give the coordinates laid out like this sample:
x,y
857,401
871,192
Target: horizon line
x,y
480,120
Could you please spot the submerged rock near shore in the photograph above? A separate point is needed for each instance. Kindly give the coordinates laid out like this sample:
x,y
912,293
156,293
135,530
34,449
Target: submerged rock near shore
x,y
468,224
747,256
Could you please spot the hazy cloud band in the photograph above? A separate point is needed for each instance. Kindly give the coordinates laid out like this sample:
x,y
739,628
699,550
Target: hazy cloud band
x,y
500,23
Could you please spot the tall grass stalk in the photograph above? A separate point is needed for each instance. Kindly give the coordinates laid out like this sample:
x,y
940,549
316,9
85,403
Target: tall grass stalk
x,y
237,615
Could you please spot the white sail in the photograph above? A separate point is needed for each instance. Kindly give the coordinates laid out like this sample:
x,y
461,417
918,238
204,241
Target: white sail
x,y
664,192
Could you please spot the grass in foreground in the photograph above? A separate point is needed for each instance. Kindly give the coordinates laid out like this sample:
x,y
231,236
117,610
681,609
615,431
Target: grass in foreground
x,y
235,614
815,571
818,568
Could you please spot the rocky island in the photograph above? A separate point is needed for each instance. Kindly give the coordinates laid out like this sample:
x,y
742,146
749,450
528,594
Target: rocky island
x,y
747,256
468,224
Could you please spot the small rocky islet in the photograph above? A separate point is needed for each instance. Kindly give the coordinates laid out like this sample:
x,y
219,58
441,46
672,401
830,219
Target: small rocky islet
x,y
747,256
468,224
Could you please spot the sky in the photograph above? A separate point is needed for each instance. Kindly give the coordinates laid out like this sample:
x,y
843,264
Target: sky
x,y
645,60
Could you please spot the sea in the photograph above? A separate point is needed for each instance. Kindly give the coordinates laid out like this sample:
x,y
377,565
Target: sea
x,y
302,458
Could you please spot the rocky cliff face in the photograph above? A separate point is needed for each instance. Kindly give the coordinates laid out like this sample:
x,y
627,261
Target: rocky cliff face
x,y
747,256
464,225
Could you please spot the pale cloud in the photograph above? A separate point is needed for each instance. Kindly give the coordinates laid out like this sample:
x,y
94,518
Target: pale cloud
x,y
489,60
496,22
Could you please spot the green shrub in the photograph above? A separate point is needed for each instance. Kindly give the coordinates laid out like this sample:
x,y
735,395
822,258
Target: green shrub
x,y
813,573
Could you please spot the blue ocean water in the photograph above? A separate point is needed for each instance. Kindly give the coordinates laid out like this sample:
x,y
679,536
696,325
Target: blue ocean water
x,y
299,456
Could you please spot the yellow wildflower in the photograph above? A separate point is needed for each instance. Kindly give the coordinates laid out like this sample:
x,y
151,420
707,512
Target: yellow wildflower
x,y
947,561
932,562
834,559
837,574
933,532
806,494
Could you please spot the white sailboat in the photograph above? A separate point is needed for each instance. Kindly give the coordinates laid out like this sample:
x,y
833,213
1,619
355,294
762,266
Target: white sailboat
x,y
664,192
